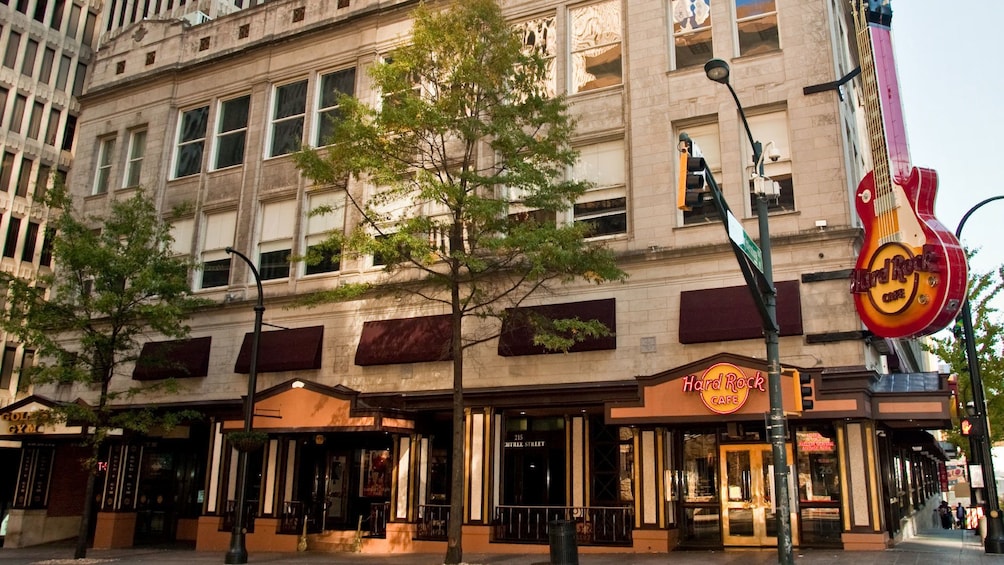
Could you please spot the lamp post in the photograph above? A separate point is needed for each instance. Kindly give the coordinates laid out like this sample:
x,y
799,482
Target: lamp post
x,y
765,294
238,552
994,542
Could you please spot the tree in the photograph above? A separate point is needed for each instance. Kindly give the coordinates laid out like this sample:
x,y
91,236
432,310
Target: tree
x,y
984,288
467,154
115,279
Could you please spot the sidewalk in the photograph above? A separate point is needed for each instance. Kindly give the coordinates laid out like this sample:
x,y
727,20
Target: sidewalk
x,y
932,547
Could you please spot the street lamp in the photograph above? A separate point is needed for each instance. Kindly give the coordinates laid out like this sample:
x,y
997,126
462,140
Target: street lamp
x,y
238,552
765,293
994,542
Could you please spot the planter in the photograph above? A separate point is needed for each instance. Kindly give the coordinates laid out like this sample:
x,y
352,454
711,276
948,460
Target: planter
x,y
247,441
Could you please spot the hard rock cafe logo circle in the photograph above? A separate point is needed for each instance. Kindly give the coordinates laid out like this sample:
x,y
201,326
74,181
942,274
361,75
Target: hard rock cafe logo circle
x,y
724,387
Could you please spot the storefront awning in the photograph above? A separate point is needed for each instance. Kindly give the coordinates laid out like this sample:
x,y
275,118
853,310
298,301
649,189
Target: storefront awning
x,y
919,441
726,314
405,340
283,350
517,329
175,359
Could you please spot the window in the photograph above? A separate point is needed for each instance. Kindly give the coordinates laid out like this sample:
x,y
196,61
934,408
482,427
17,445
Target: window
x,y
13,232
30,237
39,14
57,14
45,259
64,72
691,32
604,207
289,109
28,60
52,127
35,120
7,367
103,170
3,103
756,23
17,115
24,176
27,362
181,236
6,170
596,46
134,163
73,22
10,55
69,133
539,35
772,131
231,132
191,140
42,182
331,85
275,242
218,234
78,79
706,142
323,258
45,72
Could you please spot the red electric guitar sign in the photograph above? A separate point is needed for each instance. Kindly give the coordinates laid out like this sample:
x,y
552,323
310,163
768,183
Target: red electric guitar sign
x,y
910,277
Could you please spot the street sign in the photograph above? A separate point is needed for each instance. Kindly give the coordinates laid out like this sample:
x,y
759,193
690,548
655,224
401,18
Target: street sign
x,y
744,242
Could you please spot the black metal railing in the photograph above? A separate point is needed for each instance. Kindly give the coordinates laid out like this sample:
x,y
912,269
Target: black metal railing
x,y
291,519
432,521
594,525
250,513
377,520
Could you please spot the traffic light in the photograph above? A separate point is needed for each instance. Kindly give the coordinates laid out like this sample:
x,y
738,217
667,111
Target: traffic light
x,y
692,191
969,426
803,390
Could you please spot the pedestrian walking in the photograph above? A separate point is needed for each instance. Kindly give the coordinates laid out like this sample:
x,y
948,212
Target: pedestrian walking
x,y
960,516
945,512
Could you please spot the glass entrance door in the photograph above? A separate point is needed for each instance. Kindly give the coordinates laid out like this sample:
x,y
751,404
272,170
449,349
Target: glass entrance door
x,y
748,504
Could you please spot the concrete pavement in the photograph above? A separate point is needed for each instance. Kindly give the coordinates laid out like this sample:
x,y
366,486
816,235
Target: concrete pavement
x,y
931,547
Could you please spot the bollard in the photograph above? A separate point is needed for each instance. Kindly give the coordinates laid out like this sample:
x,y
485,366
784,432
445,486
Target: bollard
x,y
561,535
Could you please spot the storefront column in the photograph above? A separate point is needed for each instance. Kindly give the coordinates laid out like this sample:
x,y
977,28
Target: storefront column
x,y
577,461
862,514
116,521
401,502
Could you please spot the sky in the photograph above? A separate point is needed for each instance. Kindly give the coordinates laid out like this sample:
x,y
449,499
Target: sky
x,y
954,111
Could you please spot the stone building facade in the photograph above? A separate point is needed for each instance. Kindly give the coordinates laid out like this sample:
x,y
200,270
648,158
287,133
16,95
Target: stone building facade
x,y
355,397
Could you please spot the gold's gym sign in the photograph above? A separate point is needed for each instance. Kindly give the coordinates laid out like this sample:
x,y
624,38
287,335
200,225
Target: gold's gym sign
x,y
20,423
724,387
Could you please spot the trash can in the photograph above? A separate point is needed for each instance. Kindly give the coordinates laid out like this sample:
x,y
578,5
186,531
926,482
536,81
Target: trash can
x,y
561,535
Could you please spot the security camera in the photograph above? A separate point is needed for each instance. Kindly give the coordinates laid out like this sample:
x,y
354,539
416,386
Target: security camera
x,y
773,154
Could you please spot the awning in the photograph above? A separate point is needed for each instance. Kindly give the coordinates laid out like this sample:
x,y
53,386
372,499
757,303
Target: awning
x,y
517,331
919,441
405,340
283,350
175,359
725,314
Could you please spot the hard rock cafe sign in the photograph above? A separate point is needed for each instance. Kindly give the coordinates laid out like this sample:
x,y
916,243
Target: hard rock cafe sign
x,y
724,388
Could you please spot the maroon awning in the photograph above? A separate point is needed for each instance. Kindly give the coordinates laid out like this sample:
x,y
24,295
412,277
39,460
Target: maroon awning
x,y
725,314
405,340
175,359
283,350
517,330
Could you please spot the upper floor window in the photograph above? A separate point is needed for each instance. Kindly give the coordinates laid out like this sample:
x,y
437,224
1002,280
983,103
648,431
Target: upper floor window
x,y
45,71
13,233
217,235
28,59
595,45
275,243
603,207
191,142
10,54
103,170
771,129
30,241
134,164
6,170
231,131
52,126
756,26
539,35
325,215
17,113
24,177
706,141
288,112
691,32
331,85
182,231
